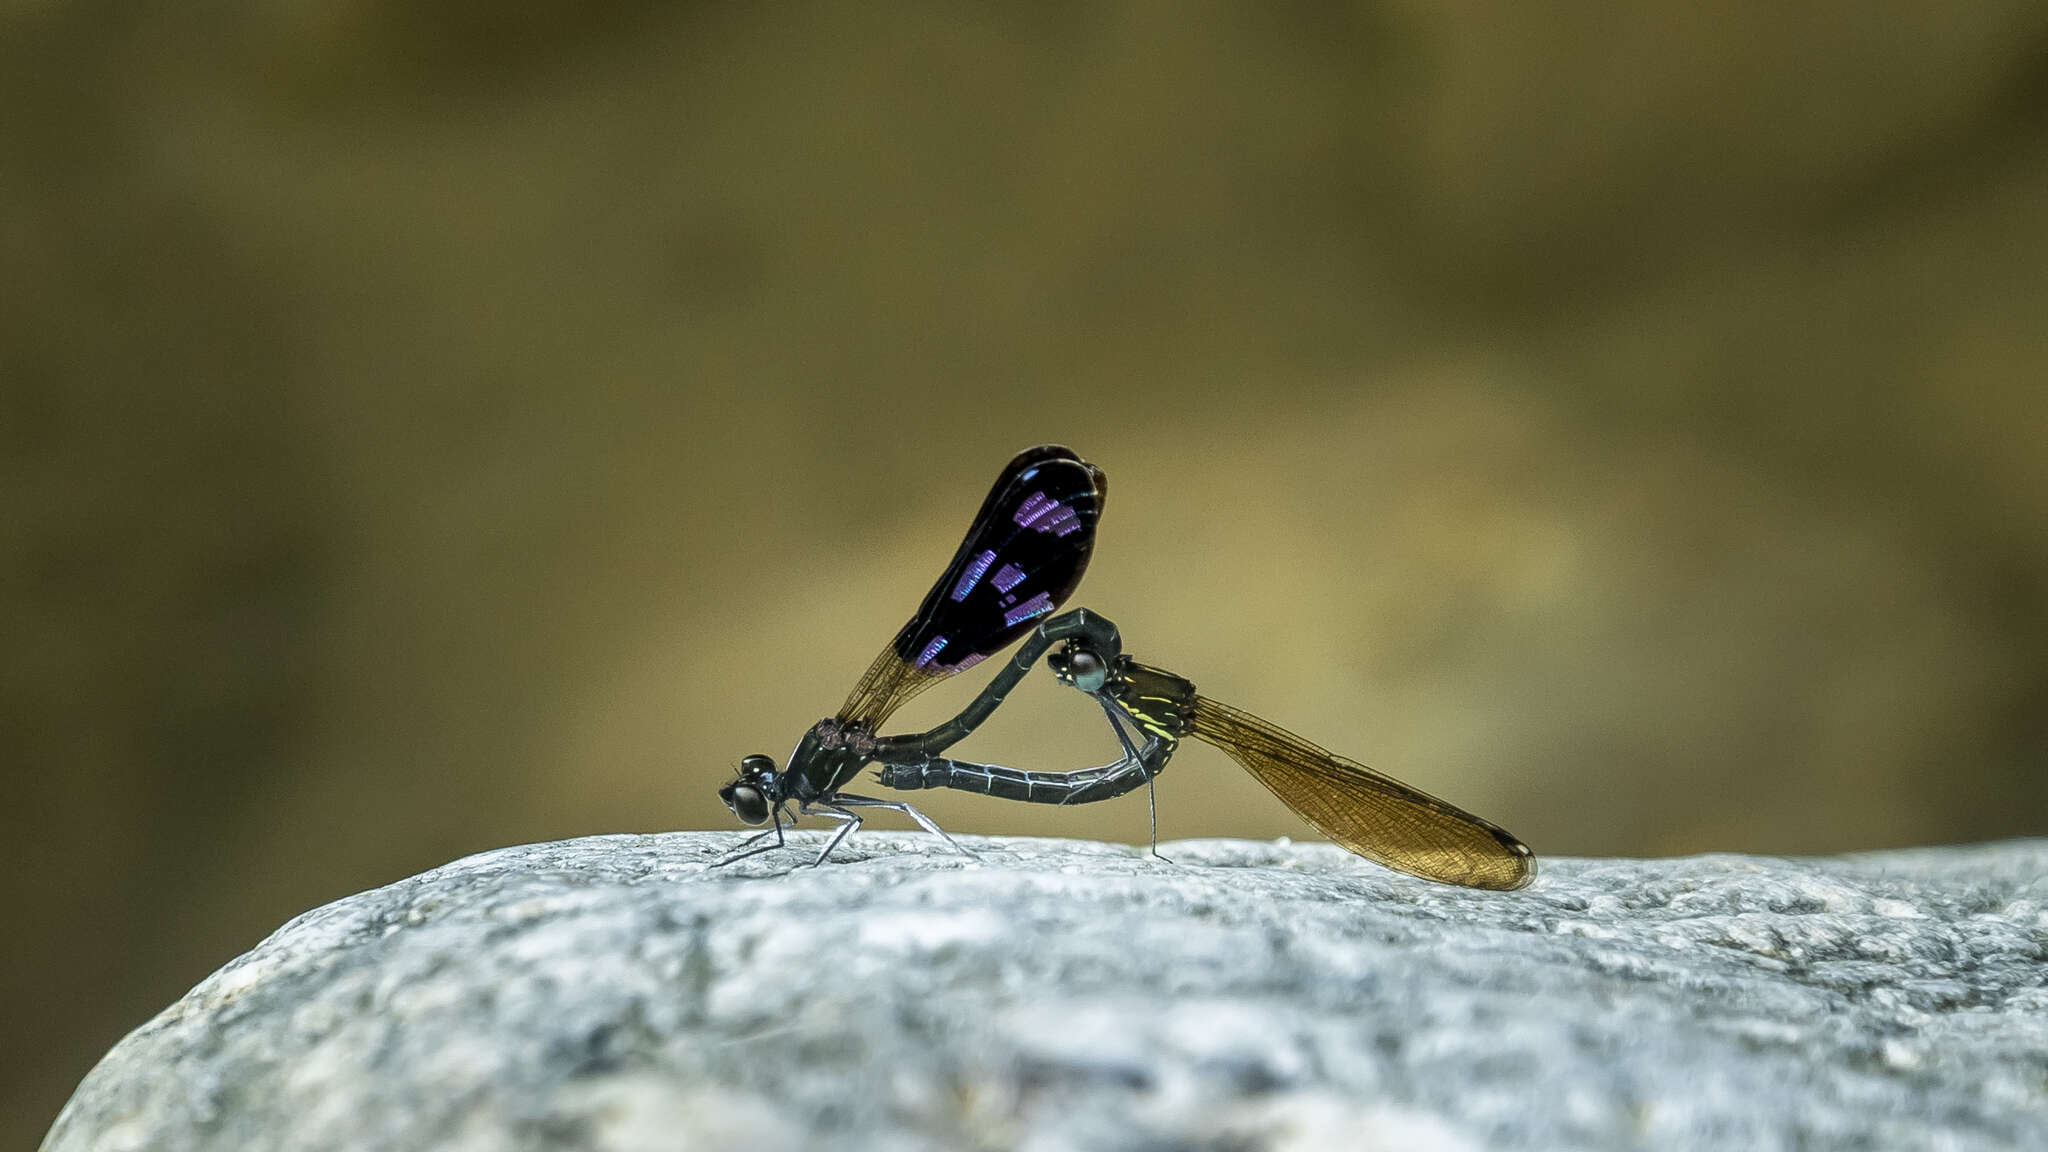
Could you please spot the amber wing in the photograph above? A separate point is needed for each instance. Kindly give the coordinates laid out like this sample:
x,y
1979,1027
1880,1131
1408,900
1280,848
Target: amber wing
x,y
1022,557
1368,812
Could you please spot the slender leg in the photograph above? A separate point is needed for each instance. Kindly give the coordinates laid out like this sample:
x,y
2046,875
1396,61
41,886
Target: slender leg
x,y
1133,759
1117,722
1152,809
923,820
1116,726
848,821
744,851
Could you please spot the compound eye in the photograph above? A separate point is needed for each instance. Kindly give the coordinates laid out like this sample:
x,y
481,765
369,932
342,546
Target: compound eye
x,y
1085,670
747,803
755,765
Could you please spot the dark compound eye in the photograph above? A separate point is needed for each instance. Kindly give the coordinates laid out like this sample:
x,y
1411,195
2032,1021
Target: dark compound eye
x,y
1083,669
756,765
747,803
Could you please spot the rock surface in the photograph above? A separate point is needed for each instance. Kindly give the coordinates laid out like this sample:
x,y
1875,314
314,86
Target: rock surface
x,y
616,993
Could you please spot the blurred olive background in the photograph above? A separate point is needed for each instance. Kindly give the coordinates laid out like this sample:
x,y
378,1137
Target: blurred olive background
x,y
434,424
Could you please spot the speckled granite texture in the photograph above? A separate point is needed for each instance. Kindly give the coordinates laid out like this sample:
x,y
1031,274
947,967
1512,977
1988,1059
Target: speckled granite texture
x,y
616,993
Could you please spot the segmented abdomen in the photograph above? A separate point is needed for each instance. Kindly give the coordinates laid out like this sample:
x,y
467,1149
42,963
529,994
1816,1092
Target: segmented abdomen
x,y
1082,787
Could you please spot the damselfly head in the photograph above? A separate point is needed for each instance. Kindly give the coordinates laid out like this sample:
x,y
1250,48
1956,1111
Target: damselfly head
x,y
1077,665
750,796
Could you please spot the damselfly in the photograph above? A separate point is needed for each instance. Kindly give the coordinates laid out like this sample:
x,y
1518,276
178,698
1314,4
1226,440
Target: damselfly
x,y
1022,558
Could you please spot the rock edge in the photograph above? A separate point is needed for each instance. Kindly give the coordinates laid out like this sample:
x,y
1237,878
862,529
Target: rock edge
x,y
616,992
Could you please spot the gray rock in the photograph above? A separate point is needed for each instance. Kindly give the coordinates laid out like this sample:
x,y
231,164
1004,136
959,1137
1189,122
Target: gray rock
x,y
613,993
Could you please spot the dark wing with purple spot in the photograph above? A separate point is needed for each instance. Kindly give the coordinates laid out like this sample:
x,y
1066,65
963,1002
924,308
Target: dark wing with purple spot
x,y
1022,558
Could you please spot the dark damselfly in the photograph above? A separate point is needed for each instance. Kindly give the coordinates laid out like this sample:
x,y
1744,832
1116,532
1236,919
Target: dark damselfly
x,y
1022,558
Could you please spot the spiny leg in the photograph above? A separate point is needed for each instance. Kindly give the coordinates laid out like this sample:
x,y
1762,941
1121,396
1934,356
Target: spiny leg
x,y
743,851
923,820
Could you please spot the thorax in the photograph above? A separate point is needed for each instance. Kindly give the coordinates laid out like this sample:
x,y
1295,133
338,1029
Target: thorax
x,y
827,759
1158,700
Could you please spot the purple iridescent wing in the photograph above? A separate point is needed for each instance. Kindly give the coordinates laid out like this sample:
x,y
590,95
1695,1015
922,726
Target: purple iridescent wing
x,y
1022,558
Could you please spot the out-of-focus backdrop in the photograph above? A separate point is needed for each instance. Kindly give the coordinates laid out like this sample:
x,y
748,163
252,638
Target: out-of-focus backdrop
x,y
433,424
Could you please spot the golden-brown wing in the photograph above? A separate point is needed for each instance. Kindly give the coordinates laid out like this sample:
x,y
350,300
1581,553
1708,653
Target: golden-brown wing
x,y
1372,814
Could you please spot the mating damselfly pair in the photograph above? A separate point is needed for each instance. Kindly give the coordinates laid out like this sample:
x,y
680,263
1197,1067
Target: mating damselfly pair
x,y
1022,558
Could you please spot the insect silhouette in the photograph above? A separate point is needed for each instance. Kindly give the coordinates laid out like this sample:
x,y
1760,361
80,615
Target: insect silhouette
x,y
1022,558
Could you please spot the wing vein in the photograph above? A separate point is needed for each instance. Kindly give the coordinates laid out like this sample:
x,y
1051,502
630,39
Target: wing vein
x,y
1366,811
